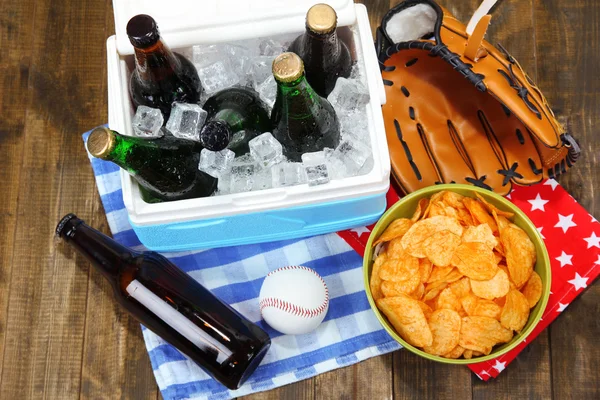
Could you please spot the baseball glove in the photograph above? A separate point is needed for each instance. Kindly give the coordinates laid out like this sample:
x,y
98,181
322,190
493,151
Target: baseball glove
x,y
460,110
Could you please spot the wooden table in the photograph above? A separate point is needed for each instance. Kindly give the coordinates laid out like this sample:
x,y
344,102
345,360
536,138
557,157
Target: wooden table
x,y
61,334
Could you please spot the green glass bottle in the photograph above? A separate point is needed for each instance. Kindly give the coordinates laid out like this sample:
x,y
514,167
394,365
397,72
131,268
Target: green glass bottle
x,y
167,168
325,56
301,120
235,116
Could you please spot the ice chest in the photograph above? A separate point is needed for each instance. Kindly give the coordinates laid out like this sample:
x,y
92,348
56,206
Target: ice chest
x,y
260,216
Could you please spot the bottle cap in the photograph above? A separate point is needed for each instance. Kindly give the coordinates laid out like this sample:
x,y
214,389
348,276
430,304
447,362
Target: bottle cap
x,y
142,31
321,18
288,67
61,230
101,142
215,135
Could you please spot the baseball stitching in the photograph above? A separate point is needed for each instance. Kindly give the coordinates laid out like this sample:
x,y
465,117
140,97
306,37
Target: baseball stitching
x,y
292,308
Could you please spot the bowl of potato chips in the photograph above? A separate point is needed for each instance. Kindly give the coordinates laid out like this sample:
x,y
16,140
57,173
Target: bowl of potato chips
x,y
457,274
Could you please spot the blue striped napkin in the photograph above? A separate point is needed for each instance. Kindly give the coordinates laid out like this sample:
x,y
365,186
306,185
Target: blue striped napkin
x,y
350,332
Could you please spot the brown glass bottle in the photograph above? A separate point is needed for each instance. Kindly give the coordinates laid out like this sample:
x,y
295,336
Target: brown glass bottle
x,y
161,76
325,56
173,305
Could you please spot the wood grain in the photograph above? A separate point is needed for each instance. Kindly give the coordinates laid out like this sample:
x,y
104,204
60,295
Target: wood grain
x,y
61,334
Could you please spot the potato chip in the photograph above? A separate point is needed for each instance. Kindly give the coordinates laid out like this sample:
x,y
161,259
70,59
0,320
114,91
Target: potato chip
x,y
533,289
375,282
491,207
475,260
498,257
396,229
501,221
436,209
447,299
482,333
453,276
505,269
450,211
469,302
440,247
395,249
425,268
515,312
480,234
399,269
418,293
520,254
461,288
433,289
427,311
445,329
500,301
464,216
392,289
453,199
416,235
467,354
438,274
455,352
493,288
421,207
487,308
407,317
479,213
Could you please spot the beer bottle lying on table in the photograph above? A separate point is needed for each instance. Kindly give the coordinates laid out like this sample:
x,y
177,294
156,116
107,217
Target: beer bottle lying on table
x,y
167,167
235,116
173,305
302,121
161,76
325,56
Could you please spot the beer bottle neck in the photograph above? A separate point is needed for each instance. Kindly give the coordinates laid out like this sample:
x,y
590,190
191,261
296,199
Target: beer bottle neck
x,y
122,152
104,253
299,98
156,62
325,46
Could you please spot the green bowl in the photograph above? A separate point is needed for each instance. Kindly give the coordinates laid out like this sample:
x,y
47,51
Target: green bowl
x,y
405,209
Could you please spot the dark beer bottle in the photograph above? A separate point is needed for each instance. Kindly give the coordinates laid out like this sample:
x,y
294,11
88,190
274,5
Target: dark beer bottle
x,y
301,120
161,76
235,116
325,56
166,167
173,305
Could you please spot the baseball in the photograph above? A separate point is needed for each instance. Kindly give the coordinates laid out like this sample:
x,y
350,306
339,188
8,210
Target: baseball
x,y
294,300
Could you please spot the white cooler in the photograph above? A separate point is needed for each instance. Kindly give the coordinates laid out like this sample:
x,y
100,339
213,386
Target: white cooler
x,y
260,216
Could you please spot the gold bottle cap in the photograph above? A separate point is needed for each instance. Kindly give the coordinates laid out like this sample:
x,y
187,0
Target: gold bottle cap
x,y
288,67
101,142
321,18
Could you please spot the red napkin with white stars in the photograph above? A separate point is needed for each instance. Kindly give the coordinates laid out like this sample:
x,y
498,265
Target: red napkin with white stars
x,y
572,237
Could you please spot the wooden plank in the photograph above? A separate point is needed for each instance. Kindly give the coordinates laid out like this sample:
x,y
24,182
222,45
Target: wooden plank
x,y
303,390
567,34
16,32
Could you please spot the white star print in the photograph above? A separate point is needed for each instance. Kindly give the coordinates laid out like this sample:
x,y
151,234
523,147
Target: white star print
x,y
499,366
360,230
579,282
598,261
594,219
551,182
561,307
485,373
565,222
593,241
540,232
508,196
564,259
538,203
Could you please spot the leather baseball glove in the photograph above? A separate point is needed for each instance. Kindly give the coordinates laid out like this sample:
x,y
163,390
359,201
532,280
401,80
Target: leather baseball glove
x,y
460,110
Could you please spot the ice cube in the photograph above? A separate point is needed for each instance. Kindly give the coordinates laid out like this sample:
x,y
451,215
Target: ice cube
x,y
270,47
262,179
317,175
288,174
147,122
262,69
241,178
317,157
186,120
348,95
266,150
267,91
353,155
216,163
217,76
354,125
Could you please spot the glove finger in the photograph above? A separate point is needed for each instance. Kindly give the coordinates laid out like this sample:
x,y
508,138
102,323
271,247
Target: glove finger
x,y
513,144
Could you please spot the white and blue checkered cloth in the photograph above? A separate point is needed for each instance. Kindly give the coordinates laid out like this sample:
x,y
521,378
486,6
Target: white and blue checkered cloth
x,y
350,332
